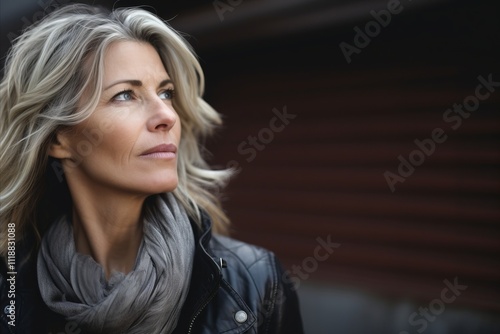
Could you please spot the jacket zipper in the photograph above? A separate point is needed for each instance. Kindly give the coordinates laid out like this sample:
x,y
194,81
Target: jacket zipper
x,y
202,308
209,298
214,290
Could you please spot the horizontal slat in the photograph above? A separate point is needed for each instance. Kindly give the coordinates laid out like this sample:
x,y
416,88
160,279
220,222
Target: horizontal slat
x,y
368,153
349,104
451,237
356,129
389,258
374,205
357,178
426,78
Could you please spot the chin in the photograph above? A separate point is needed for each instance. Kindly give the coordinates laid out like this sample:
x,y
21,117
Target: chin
x,y
169,188
156,184
164,187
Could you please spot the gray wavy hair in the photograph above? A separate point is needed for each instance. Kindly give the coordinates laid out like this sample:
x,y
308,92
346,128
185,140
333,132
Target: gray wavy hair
x,y
47,72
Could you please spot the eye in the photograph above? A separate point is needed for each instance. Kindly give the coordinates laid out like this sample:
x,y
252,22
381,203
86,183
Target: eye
x,y
167,94
125,95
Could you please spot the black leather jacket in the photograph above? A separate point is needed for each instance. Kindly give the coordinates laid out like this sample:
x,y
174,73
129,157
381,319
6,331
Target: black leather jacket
x,y
235,288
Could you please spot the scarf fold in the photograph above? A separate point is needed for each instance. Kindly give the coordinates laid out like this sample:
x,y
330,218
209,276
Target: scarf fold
x,y
146,300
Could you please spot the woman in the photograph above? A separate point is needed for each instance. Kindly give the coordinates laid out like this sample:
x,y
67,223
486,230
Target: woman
x,y
105,189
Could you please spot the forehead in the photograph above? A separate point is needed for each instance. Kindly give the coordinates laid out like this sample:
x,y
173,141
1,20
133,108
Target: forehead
x,y
133,60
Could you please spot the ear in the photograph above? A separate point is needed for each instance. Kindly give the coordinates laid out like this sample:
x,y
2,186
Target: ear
x,y
59,147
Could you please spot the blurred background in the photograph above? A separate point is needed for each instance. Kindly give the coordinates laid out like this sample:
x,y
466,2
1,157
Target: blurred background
x,y
367,139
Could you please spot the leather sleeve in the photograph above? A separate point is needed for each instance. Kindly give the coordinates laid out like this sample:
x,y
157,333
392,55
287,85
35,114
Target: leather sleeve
x,y
284,317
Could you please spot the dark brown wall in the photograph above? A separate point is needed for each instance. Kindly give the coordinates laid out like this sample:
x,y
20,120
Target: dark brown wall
x,y
323,174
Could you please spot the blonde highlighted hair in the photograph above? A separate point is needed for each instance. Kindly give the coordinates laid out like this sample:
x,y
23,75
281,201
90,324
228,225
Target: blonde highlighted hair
x,y
47,72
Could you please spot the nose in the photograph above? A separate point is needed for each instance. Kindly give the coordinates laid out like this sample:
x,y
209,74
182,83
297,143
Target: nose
x,y
162,115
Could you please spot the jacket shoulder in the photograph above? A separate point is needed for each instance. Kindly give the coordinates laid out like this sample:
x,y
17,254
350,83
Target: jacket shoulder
x,y
256,275
251,270
241,253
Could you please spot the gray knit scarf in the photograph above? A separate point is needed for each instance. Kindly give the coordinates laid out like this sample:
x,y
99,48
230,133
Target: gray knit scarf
x,y
146,300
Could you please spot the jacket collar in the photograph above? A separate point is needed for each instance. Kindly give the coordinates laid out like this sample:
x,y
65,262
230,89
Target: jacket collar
x,y
207,283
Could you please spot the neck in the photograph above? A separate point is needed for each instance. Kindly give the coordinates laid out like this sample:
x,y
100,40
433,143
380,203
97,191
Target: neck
x,y
108,227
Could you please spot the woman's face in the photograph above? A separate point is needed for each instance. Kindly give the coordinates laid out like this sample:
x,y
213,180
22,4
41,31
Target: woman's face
x,y
129,144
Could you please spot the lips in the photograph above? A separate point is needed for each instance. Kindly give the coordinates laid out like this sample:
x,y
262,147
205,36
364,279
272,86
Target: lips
x,y
163,150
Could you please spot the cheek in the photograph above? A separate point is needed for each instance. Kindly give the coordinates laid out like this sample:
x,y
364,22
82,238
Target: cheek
x,y
101,140
116,145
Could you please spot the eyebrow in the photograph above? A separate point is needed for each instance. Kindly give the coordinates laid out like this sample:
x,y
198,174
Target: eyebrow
x,y
138,83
